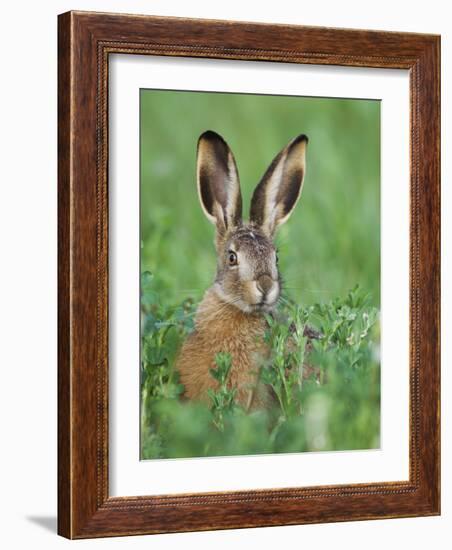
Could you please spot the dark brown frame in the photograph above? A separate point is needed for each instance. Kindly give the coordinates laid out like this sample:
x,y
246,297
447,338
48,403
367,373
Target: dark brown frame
x,y
85,41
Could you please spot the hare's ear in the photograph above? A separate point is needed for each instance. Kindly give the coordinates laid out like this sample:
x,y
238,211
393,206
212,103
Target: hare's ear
x,y
279,190
218,182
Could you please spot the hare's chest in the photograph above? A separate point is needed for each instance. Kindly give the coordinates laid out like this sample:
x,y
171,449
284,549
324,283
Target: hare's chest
x,y
245,345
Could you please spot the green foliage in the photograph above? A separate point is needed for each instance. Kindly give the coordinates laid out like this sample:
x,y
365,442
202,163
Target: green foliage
x,y
222,397
336,407
284,370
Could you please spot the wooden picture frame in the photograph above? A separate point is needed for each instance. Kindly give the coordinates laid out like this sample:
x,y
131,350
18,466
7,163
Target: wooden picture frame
x,y
85,41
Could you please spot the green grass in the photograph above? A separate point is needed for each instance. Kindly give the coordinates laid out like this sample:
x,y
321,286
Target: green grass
x,y
330,244
337,408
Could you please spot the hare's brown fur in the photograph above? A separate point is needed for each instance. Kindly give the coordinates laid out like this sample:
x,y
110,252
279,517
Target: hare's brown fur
x,y
230,318
221,327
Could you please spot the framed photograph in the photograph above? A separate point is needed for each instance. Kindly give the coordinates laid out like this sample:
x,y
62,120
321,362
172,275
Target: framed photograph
x,y
248,275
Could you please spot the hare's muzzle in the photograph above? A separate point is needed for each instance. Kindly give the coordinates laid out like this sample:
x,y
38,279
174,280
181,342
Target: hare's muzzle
x,y
268,288
264,283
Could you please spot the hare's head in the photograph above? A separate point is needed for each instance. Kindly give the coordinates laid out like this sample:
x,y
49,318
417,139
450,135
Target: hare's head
x,y
247,268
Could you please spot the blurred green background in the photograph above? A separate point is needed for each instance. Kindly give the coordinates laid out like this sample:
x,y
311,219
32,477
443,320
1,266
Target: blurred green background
x,y
332,240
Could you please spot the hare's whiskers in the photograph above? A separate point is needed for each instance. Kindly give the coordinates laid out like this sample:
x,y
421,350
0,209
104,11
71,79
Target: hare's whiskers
x,y
283,300
216,312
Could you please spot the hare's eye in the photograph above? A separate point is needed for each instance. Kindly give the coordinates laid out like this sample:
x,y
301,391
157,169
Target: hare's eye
x,y
277,258
232,257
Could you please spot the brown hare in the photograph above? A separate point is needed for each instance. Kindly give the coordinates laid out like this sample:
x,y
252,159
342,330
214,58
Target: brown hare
x,y
230,317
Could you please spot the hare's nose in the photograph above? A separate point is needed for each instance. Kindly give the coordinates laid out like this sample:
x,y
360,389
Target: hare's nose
x,y
264,283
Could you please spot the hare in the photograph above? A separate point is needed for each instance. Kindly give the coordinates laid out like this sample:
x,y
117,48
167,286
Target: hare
x,y
230,318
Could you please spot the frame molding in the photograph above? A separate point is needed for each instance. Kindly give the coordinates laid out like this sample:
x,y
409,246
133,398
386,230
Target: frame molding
x,y
85,41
